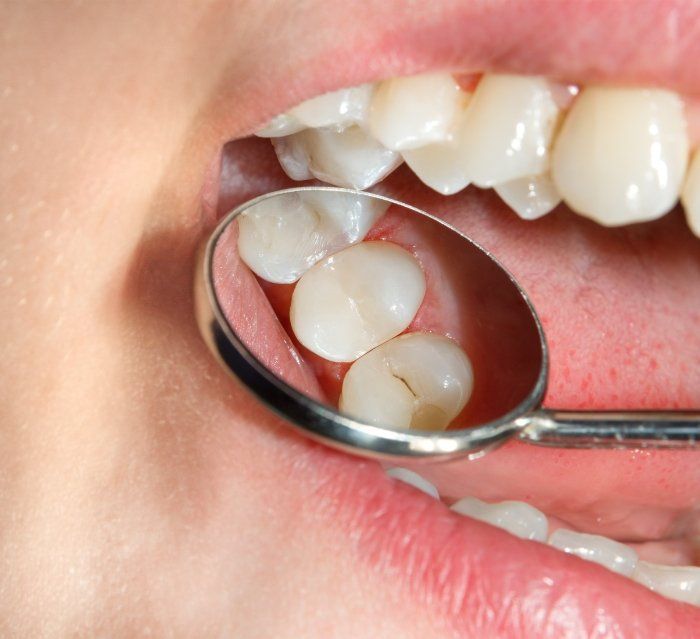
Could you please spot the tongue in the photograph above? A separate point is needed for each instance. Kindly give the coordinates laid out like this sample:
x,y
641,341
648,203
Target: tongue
x,y
621,311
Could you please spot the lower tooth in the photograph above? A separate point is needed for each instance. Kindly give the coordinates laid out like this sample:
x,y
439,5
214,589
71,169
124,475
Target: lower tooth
x,y
516,517
280,243
530,197
413,479
681,583
601,550
352,301
282,124
349,158
691,195
418,380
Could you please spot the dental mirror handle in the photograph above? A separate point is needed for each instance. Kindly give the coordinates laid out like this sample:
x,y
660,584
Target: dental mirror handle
x,y
612,429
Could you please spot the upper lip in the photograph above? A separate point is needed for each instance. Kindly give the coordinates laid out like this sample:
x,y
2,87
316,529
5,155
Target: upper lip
x,y
580,42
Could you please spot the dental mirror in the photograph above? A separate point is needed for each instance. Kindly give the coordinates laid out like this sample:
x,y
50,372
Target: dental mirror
x,y
379,329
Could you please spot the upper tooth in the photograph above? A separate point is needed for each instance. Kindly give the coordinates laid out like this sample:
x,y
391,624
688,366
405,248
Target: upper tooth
x,y
282,124
410,112
621,154
413,479
349,158
356,299
517,517
509,126
601,550
339,108
280,241
691,195
530,197
418,380
676,582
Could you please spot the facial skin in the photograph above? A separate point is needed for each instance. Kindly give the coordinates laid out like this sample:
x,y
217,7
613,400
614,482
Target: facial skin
x,y
141,490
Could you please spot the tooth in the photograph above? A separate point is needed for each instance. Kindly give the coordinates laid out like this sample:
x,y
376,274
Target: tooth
x,y
356,299
508,128
691,195
681,583
530,197
410,112
601,550
517,517
418,380
621,154
439,166
413,479
339,108
349,158
282,124
281,242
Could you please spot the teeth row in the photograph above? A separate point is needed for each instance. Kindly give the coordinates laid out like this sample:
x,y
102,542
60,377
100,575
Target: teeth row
x,y
615,155
681,583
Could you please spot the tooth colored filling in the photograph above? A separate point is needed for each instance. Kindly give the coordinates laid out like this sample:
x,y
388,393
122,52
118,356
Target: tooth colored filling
x,y
614,155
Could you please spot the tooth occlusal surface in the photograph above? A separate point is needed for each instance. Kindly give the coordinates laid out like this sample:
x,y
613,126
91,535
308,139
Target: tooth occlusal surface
x,y
681,583
530,197
352,301
280,239
407,113
338,108
508,128
601,550
621,154
349,158
691,195
516,517
418,380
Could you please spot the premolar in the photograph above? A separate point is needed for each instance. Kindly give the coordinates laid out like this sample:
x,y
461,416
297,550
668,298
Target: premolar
x,y
338,109
418,380
355,300
681,583
601,550
530,197
413,479
349,158
691,195
516,517
281,244
621,154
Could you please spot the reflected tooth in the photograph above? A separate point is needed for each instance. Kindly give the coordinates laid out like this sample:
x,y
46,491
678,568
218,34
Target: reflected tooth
x,y
681,583
339,108
691,195
356,299
621,154
601,550
516,517
508,128
413,479
348,158
530,197
410,112
280,244
282,124
418,380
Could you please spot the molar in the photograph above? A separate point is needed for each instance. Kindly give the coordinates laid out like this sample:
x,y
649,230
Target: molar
x,y
350,302
621,154
418,380
508,128
408,113
349,158
516,517
596,548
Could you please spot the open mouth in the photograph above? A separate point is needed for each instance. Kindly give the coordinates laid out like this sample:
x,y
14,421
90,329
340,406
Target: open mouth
x,y
573,182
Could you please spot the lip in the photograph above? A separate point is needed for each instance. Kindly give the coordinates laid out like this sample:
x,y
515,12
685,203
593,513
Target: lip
x,y
546,593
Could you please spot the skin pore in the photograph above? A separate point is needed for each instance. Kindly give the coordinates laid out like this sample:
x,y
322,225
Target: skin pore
x,y
141,490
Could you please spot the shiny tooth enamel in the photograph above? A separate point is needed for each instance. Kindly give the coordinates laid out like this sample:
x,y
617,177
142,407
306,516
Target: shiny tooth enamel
x,y
681,583
601,550
413,479
281,244
530,197
410,112
352,301
348,158
516,517
690,197
282,124
508,128
338,108
418,380
621,154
